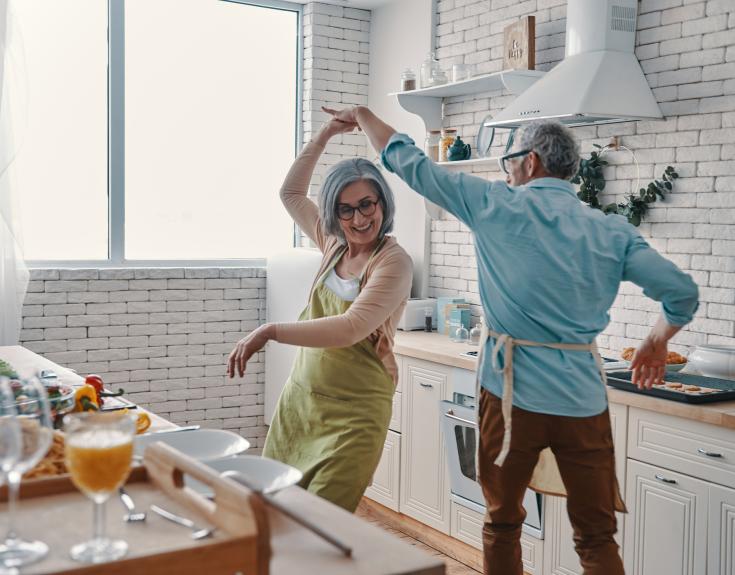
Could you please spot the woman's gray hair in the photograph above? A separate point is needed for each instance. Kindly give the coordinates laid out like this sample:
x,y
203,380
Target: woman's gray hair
x,y
341,175
555,145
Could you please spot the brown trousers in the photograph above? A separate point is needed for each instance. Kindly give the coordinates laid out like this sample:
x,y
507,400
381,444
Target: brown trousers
x,y
583,448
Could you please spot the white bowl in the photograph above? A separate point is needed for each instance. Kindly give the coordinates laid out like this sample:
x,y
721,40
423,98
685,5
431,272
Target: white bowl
x,y
200,444
675,366
714,360
265,474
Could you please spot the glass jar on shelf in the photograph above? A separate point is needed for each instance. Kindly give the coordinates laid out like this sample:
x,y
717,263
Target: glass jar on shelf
x,y
429,70
431,144
448,135
439,77
408,80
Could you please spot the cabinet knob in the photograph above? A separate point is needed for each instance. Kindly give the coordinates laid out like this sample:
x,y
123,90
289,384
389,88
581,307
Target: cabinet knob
x,y
665,479
427,385
709,453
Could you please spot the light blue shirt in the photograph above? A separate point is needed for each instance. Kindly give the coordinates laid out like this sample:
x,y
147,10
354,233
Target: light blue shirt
x,y
549,268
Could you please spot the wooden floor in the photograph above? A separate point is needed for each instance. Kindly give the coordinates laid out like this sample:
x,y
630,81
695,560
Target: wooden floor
x,y
453,567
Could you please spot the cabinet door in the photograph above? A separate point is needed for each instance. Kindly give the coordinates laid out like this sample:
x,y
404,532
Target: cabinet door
x,y
721,534
666,525
424,492
560,557
386,479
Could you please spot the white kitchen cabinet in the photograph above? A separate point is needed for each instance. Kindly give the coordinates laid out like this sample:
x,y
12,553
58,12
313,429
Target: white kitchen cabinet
x,y
424,490
386,479
666,527
560,557
721,531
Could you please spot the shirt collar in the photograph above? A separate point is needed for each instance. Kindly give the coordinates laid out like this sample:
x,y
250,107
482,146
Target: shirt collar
x,y
552,184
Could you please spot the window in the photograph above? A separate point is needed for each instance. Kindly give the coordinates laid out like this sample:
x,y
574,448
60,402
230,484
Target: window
x,y
203,126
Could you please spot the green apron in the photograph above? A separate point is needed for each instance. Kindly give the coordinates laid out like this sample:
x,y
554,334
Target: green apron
x,y
332,417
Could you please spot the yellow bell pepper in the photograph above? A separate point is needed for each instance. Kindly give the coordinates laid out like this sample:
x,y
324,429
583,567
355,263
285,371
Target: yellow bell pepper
x,y
85,398
142,423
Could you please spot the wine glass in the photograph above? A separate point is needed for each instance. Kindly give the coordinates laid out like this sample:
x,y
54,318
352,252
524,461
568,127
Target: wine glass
x,y
99,451
36,433
9,429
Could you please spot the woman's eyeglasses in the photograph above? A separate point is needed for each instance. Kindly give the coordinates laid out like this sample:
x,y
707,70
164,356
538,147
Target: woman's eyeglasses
x,y
365,207
504,161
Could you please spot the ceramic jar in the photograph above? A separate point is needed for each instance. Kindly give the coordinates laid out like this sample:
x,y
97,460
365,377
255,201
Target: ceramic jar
x,y
714,361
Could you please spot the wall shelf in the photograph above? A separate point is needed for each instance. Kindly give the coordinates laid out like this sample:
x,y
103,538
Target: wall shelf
x,y
471,161
427,102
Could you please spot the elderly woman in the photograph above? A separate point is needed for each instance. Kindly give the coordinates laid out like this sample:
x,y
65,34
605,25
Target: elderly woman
x,y
332,416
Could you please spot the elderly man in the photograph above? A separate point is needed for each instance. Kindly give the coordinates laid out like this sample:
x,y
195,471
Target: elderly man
x,y
549,269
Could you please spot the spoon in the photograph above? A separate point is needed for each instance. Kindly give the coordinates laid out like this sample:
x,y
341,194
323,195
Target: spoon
x,y
132,516
197,533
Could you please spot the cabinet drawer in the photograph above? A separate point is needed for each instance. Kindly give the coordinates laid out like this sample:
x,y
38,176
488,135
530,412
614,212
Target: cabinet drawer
x,y
690,447
395,420
466,525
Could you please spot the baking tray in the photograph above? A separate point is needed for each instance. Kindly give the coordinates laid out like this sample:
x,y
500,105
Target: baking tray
x,y
722,389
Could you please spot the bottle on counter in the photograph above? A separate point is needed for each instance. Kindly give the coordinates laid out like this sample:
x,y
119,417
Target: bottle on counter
x,y
428,319
459,333
476,333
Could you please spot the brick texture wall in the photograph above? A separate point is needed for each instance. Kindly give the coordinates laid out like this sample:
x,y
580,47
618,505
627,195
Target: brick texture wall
x,y
687,51
163,335
336,57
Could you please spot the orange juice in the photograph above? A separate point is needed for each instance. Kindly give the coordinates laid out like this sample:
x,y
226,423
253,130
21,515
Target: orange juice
x,y
99,461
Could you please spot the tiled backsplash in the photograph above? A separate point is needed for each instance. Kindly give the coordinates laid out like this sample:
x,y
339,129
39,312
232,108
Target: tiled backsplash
x,y
686,50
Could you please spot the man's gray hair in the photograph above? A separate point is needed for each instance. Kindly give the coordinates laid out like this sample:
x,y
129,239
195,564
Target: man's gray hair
x,y
555,145
341,175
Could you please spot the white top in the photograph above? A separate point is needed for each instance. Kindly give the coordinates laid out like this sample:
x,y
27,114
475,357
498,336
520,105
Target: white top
x,y
345,289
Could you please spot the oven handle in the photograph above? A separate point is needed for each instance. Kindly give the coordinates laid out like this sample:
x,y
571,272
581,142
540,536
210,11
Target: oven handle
x,y
450,415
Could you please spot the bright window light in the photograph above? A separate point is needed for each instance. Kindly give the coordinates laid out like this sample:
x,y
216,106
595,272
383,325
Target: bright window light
x,y
210,128
60,172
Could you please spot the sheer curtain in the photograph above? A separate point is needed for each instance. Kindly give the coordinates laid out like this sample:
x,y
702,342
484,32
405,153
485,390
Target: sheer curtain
x,y
13,101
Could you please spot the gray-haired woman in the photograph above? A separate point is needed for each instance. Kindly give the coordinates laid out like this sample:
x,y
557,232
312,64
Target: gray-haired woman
x,y
332,416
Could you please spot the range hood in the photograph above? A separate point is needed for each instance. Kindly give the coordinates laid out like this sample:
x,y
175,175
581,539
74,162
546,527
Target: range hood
x,y
599,81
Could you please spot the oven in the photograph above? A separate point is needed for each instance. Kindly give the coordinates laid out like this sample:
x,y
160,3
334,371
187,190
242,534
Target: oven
x,y
460,435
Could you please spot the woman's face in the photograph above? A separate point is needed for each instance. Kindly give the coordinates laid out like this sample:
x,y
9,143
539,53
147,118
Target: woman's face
x,y
360,213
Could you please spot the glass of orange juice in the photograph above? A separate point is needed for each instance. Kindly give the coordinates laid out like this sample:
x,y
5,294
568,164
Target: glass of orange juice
x,y
99,449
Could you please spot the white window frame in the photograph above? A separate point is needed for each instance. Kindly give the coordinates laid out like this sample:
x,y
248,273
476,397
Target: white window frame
x,y
116,147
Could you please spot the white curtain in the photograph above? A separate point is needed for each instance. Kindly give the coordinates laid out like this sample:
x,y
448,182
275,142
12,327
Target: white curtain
x,y
13,103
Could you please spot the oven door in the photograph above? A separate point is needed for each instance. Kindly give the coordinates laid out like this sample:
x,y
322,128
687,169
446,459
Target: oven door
x,y
460,435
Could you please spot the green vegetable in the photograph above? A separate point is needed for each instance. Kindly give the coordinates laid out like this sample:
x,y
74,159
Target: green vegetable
x,y
7,370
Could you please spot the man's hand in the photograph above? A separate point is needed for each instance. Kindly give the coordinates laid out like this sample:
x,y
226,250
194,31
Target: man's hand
x,y
649,363
332,128
346,115
245,349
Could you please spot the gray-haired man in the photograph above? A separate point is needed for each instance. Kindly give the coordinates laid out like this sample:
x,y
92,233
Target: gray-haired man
x,y
549,270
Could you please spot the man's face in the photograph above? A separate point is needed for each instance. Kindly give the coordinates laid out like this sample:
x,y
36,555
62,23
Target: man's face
x,y
519,169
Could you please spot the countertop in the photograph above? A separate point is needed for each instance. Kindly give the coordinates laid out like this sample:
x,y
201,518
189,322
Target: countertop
x,y
440,349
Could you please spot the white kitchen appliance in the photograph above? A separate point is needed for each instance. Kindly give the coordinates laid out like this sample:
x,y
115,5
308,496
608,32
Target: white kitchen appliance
x,y
414,316
599,81
289,279
460,435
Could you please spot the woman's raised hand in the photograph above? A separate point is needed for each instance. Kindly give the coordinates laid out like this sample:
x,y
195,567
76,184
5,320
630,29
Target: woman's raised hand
x,y
346,115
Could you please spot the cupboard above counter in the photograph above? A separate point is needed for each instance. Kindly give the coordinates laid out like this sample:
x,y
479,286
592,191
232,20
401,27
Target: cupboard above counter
x,y
427,102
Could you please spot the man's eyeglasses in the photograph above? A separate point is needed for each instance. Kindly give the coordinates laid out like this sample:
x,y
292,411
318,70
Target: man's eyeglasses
x,y
503,161
365,207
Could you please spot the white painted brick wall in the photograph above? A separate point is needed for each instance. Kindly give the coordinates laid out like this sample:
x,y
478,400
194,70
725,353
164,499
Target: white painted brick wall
x,y
336,56
161,334
687,50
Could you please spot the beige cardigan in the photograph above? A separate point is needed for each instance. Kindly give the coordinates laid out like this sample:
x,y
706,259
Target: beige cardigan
x,y
385,287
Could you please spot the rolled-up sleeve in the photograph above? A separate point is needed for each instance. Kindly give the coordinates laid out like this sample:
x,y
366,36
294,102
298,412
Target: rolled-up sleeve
x,y
662,281
460,194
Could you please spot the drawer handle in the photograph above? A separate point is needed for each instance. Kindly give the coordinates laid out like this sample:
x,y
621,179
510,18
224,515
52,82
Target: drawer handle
x,y
709,453
450,415
665,479
427,385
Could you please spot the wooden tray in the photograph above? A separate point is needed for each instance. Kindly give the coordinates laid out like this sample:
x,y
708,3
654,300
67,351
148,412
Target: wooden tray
x,y
54,511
